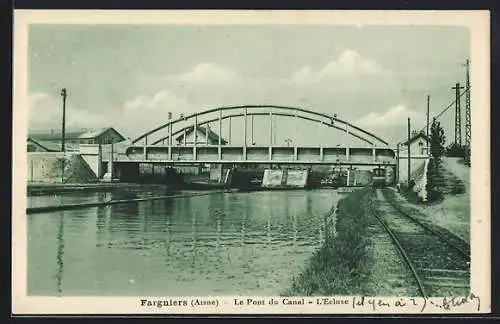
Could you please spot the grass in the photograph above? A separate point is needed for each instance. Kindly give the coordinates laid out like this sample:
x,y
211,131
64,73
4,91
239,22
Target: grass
x,y
339,267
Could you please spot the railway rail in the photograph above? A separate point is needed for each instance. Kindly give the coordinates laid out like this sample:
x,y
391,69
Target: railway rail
x,y
452,239
439,264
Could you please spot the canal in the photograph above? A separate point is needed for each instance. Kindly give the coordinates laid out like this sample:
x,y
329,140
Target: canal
x,y
249,243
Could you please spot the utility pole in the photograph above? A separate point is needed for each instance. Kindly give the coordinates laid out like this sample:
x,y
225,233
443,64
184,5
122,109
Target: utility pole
x,y
397,163
458,120
63,137
467,113
427,125
409,155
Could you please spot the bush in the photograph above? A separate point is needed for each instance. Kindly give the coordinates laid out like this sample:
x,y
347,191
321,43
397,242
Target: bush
x,y
455,150
435,182
340,266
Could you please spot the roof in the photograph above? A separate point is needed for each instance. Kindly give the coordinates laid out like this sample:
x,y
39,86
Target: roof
x,y
72,134
52,146
211,134
49,148
54,135
416,137
98,132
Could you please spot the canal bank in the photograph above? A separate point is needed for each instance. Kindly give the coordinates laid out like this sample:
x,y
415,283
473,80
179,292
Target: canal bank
x,y
362,260
342,265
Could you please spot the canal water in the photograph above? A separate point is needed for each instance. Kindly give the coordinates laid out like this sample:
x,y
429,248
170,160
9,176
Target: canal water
x,y
250,243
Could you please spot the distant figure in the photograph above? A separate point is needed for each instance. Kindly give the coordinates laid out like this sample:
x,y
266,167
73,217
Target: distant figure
x,y
412,184
398,186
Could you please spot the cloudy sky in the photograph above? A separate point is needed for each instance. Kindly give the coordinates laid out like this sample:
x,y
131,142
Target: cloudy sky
x,y
130,77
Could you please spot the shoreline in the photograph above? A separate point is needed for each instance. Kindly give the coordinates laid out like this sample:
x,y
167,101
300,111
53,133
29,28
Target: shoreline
x,y
339,266
41,189
355,261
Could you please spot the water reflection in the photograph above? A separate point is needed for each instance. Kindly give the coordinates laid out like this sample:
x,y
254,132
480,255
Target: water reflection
x,y
246,243
60,254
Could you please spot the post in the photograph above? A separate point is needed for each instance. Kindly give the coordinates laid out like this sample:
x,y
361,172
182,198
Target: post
x,y
245,134
427,125
374,156
409,153
170,142
271,127
270,134
251,130
397,163
63,137
275,123
229,137
458,116
145,148
319,133
219,148
346,135
207,129
195,129
111,160
467,114
296,129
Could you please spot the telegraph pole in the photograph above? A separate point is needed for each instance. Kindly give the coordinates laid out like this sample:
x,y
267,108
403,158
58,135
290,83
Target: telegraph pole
x,y
63,138
427,124
409,154
458,119
467,113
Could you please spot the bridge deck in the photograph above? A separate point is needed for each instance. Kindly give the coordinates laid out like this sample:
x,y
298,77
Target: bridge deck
x,y
260,154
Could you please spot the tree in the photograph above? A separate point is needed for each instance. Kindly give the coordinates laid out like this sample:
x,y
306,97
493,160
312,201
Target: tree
x,y
437,142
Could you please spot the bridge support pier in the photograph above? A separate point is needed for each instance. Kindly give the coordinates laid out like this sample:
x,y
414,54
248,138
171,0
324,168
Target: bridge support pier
x,y
295,153
374,157
270,153
321,156
347,154
145,148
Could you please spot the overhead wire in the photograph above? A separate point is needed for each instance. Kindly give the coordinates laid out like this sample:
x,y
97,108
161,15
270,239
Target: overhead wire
x,y
448,107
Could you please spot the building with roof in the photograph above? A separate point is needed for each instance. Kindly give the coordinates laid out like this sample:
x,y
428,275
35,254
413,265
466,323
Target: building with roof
x,y
34,146
418,142
51,141
202,137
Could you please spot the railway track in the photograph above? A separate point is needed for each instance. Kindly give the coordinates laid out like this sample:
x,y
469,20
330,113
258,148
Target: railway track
x,y
452,239
439,264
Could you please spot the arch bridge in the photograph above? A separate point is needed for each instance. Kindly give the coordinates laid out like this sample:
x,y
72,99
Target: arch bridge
x,y
192,139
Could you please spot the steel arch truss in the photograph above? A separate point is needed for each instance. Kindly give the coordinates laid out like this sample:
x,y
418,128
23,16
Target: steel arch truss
x,y
259,110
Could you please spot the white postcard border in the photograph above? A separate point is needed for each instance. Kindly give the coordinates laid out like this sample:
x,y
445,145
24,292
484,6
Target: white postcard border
x,y
476,21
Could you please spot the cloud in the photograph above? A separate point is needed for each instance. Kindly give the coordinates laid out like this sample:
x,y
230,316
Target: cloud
x,y
206,73
392,117
35,97
163,100
349,62
45,112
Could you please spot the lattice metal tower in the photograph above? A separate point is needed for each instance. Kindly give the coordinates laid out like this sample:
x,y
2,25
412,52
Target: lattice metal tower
x,y
467,112
458,115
